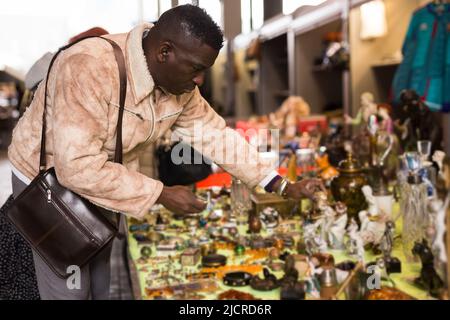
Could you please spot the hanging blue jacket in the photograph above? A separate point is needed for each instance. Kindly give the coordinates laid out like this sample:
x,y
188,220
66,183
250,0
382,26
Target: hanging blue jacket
x,y
426,63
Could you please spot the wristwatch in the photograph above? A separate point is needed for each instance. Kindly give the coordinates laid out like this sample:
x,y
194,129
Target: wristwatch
x,y
281,191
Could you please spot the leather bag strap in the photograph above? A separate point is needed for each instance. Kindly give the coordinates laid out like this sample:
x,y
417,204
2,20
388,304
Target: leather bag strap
x,y
118,156
118,153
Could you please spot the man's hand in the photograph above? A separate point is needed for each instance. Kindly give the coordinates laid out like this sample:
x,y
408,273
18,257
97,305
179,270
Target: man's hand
x,y
306,188
181,200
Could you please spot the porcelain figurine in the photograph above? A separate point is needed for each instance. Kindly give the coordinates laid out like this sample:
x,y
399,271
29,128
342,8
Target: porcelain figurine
x,y
443,176
368,108
373,220
438,246
309,232
314,243
286,118
336,230
355,245
325,212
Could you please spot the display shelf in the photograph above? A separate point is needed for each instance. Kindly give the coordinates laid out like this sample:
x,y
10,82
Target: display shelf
x,y
326,69
320,87
274,74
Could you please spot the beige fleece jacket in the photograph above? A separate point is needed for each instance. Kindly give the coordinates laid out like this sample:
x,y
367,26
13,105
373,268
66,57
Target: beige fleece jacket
x,y
82,113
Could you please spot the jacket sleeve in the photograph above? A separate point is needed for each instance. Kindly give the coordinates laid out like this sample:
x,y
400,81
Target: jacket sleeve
x,y
201,127
83,85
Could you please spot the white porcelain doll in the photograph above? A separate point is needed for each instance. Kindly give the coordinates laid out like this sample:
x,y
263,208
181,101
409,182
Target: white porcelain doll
x,y
314,243
438,246
373,220
327,215
355,245
336,231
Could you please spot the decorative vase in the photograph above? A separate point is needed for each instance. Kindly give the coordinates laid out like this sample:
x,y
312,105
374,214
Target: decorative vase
x,y
347,186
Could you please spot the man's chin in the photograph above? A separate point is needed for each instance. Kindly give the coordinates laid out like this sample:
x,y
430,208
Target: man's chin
x,y
179,92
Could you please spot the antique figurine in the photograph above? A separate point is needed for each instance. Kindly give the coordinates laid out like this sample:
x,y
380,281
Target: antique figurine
x,y
368,108
393,265
442,163
373,220
429,279
417,122
314,243
324,212
438,246
355,244
336,229
286,118
387,242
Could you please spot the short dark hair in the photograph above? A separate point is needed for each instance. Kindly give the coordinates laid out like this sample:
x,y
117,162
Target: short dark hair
x,y
195,21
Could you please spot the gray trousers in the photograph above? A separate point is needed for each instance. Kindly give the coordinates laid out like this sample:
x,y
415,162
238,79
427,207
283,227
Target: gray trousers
x,y
94,277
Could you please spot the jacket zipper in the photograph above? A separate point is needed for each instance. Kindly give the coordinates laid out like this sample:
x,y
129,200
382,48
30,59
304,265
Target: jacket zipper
x,y
84,230
129,111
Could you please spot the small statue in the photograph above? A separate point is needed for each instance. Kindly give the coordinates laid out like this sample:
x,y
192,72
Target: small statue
x,y
438,247
429,279
355,245
393,265
417,122
313,242
438,157
288,115
368,108
373,220
324,212
336,230
443,179
387,242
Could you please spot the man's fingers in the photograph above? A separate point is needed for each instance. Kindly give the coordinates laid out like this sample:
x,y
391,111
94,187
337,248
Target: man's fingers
x,y
199,205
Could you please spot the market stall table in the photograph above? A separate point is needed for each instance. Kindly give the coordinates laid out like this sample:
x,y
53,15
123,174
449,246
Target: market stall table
x,y
171,271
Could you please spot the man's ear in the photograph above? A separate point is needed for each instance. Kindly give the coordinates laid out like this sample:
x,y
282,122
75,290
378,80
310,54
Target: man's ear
x,y
165,49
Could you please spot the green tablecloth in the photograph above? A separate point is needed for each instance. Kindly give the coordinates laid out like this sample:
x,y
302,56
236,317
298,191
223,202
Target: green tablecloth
x,y
403,281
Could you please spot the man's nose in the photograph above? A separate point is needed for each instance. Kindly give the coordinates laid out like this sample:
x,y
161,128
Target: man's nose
x,y
199,79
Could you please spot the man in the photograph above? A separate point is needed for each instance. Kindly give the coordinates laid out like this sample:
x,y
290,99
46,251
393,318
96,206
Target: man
x,y
165,65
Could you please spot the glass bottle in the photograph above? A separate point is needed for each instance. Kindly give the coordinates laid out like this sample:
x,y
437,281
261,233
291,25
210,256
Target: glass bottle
x,y
240,200
413,205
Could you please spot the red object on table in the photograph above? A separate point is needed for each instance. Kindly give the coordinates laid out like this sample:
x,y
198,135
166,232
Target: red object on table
x,y
224,179
215,180
308,124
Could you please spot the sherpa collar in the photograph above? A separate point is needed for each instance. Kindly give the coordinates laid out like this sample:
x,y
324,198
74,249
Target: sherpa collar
x,y
142,82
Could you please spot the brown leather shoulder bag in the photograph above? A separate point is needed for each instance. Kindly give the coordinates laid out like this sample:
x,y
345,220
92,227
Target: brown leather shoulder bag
x,y
61,226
